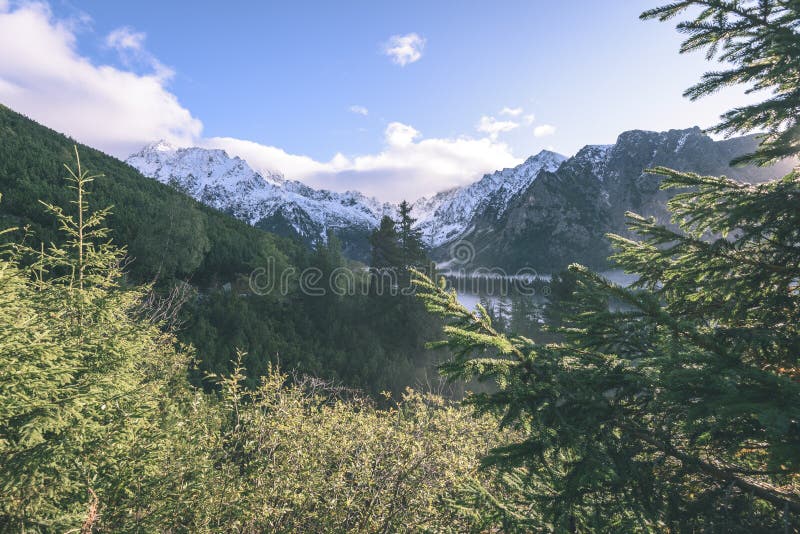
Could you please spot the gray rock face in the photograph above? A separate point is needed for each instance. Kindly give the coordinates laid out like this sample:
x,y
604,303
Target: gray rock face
x,y
445,216
563,216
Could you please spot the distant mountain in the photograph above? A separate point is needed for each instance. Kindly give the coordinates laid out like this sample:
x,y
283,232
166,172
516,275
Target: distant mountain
x,y
286,207
446,216
267,201
564,214
545,213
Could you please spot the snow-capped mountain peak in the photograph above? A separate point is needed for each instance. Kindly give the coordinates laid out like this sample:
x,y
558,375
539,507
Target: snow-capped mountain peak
x,y
269,201
231,185
161,145
447,215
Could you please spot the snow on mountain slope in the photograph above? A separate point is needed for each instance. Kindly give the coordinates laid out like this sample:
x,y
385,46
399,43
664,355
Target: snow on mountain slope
x,y
546,212
274,203
565,215
230,185
447,215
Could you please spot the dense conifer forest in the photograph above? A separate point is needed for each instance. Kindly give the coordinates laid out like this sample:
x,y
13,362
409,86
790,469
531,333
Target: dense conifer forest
x,y
200,258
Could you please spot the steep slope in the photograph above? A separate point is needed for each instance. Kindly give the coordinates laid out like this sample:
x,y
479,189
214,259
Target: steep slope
x,y
347,339
266,201
167,234
563,216
449,214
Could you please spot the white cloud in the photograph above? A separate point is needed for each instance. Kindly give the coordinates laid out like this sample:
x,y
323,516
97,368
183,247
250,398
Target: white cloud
x,y
400,135
43,76
494,127
544,130
129,44
404,49
359,110
125,38
409,166
511,112
270,158
529,118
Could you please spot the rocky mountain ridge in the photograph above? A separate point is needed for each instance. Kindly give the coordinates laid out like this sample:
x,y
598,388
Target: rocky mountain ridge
x,y
564,215
287,207
544,213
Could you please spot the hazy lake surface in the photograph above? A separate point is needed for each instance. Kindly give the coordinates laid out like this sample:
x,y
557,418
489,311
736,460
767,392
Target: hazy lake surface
x,y
501,292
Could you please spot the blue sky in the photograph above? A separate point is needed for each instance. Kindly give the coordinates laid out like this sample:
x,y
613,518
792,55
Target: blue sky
x,y
278,82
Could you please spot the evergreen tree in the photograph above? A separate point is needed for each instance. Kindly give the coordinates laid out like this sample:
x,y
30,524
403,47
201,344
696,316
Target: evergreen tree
x,y
525,316
386,259
673,404
386,246
759,40
82,378
411,247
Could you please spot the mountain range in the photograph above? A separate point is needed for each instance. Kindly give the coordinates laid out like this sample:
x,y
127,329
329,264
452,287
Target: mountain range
x,y
290,208
564,214
266,201
544,214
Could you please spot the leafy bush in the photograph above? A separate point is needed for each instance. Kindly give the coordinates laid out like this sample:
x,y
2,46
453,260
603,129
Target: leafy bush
x,y
101,431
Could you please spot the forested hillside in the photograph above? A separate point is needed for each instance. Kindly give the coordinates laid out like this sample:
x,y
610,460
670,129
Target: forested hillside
x,y
101,432
171,238
167,234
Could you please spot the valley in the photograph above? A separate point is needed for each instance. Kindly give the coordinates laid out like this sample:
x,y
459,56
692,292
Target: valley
x,y
380,267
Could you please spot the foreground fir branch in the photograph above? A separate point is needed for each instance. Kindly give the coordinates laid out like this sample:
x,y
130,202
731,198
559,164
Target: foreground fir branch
x,y
675,403
759,41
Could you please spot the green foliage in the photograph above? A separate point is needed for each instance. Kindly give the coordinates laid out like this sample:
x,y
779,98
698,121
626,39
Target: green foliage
x,y
81,378
167,234
410,238
345,334
173,240
672,405
386,248
760,41
100,431
307,458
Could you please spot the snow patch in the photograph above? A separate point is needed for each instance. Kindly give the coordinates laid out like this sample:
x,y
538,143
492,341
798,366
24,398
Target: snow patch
x,y
229,184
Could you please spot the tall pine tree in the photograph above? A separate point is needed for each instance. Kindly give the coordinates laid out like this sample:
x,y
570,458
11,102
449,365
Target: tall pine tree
x,y
411,247
386,248
83,377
